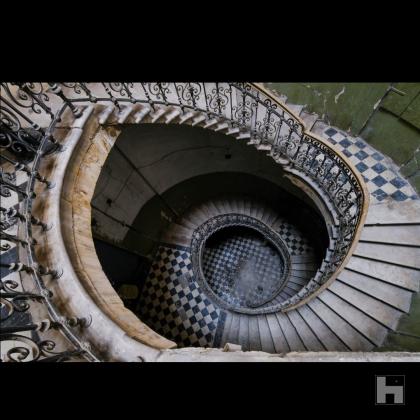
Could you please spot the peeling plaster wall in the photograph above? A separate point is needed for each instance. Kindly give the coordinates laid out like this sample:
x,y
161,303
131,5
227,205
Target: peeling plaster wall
x,y
387,119
149,159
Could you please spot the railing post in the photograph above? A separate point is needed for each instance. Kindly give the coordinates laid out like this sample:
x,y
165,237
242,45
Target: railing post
x,y
56,89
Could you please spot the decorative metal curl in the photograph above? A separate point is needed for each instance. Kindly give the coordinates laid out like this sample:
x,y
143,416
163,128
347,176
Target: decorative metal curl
x,y
29,95
189,93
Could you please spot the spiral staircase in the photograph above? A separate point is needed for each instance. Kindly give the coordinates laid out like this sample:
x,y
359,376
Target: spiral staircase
x,y
56,301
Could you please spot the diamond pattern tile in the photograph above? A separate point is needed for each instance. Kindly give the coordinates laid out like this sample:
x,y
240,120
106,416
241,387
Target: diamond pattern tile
x,y
382,180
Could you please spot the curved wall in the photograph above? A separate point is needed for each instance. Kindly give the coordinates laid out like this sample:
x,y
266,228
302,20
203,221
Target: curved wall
x,y
147,160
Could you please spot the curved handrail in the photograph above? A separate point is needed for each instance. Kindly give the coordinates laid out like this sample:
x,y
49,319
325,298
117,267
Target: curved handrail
x,y
30,112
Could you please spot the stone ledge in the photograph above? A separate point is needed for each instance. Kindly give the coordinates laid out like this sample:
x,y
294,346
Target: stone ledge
x,y
218,355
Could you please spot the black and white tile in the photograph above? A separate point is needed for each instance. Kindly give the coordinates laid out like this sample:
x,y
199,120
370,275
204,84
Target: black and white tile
x,y
382,178
226,254
173,304
295,240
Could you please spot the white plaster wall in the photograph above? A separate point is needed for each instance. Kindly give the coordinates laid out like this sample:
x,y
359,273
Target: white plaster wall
x,y
167,155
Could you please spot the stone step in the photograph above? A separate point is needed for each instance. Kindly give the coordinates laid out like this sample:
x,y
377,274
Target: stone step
x,y
394,212
258,210
393,295
309,119
243,338
309,339
342,329
248,207
305,266
371,329
196,216
177,234
185,221
204,210
396,254
234,205
142,114
319,127
124,113
293,286
226,329
324,334
302,258
286,294
303,274
254,211
212,210
266,340
297,280
219,204
296,109
379,311
159,113
243,136
222,127
264,147
198,119
404,235
233,334
105,115
241,206
399,276
229,206
172,116
254,333
277,335
290,334
211,123
270,216
187,117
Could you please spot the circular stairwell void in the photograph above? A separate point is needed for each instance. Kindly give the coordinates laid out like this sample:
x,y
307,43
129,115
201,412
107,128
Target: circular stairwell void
x,y
242,267
149,206
239,261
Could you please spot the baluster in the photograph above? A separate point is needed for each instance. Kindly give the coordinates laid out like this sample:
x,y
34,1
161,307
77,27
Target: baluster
x,y
18,129
12,238
56,89
113,99
148,97
14,213
36,269
88,92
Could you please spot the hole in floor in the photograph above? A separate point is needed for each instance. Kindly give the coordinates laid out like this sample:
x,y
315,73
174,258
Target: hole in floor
x,y
242,267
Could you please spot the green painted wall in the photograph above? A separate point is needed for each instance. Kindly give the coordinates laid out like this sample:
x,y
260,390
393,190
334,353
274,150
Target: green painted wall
x,y
386,119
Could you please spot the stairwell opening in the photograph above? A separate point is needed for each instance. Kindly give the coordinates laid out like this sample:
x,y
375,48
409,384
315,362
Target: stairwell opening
x,y
242,267
179,182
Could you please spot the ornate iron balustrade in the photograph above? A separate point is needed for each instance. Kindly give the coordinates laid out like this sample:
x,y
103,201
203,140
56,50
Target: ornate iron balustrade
x,y
29,113
203,232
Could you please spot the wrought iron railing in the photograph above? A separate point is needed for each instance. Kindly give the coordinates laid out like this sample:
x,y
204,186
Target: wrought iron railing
x,y
31,111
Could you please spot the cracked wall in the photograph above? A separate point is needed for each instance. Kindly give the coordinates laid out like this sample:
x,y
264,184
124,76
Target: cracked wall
x,y
385,115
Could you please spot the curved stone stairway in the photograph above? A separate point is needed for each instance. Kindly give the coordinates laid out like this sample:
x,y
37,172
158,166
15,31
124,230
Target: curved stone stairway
x,y
358,310
303,260
355,313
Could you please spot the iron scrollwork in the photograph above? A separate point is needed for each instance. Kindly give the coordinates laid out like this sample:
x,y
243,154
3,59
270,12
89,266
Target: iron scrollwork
x,y
243,105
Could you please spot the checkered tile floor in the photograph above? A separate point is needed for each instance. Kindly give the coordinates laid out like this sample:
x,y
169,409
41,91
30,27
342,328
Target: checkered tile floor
x,y
294,239
234,251
382,178
173,304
